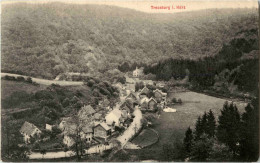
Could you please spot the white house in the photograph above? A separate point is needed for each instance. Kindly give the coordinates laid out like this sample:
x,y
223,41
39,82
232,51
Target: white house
x,y
68,140
63,123
137,72
29,130
114,117
144,99
48,127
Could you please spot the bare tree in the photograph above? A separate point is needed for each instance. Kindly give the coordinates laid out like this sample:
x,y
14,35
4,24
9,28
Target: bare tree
x,y
77,135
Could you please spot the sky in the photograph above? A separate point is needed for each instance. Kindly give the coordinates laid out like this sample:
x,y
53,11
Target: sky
x,y
159,6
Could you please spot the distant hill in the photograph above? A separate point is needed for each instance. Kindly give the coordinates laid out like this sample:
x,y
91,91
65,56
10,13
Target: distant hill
x,y
44,40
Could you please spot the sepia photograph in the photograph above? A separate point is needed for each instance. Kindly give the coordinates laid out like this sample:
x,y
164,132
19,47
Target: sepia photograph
x,y
129,81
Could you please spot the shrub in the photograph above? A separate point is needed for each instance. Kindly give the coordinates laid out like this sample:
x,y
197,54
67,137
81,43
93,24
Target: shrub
x,y
174,100
16,99
36,146
179,101
29,80
20,78
104,91
90,83
9,77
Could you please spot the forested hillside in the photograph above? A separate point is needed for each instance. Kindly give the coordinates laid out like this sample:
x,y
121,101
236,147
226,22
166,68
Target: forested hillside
x,y
234,69
44,40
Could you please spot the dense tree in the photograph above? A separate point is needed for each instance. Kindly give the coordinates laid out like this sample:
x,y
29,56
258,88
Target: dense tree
x,y
211,124
249,143
188,141
220,153
229,127
204,123
202,148
198,128
95,43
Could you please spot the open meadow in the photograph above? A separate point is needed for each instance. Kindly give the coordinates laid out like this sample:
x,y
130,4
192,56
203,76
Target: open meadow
x,y
9,87
172,126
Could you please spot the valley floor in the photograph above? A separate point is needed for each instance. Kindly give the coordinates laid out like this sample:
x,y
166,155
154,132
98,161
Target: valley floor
x,y
172,126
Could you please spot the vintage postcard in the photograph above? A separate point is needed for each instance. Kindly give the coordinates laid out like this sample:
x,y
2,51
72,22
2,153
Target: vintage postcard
x,y
129,81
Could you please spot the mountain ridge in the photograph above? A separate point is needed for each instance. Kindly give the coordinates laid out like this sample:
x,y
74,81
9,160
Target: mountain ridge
x,y
49,39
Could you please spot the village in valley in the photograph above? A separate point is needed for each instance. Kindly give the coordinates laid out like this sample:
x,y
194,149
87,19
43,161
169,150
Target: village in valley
x,y
100,127
123,85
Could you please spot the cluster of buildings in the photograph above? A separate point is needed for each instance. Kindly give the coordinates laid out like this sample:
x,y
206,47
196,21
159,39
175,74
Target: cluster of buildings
x,y
149,100
98,125
92,125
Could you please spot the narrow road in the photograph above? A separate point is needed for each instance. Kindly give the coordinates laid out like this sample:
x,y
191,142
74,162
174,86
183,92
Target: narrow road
x,y
134,127
124,138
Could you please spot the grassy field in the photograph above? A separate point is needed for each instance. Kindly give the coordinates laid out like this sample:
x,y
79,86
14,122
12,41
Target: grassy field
x,y
145,138
172,126
8,87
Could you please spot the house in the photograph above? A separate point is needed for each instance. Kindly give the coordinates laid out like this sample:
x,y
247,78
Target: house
x,y
69,129
97,117
125,114
131,96
152,104
87,133
29,130
144,105
130,86
160,84
159,95
67,140
144,91
86,111
48,127
129,80
144,99
114,117
137,72
102,130
63,123
119,85
148,82
127,107
104,103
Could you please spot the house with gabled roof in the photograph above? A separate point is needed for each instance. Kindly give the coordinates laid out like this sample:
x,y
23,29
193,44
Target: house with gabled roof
x,y
144,91
86,111
148,82
152,104
114,117
137,72
131,96
29,130
159,95
127,107
102,130
71,129
144,99
87,133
